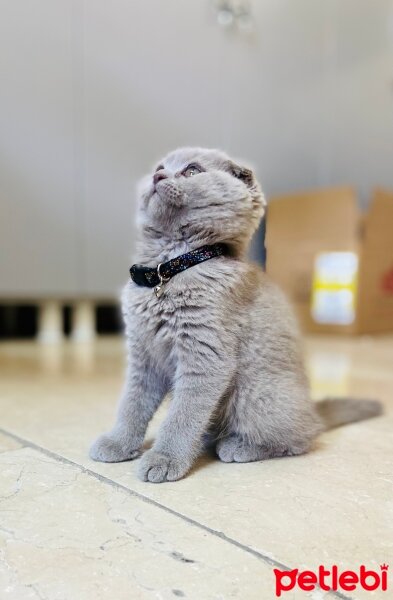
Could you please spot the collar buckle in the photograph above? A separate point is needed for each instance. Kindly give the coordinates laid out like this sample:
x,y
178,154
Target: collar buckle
x,y
163,280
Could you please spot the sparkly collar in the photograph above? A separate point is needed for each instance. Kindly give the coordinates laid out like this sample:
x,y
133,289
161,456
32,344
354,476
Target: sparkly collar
x,y
157,276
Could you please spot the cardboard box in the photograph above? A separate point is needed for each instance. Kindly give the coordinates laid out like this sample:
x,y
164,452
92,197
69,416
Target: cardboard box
x,y
335,264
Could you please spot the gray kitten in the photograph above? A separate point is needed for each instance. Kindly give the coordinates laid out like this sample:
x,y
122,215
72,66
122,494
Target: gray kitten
x,y
221,338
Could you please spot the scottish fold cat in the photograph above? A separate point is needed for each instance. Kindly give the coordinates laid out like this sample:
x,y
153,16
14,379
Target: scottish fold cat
x,y
217,334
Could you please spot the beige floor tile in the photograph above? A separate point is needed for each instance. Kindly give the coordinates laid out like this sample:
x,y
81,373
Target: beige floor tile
x,y
8,444
66,535
333,506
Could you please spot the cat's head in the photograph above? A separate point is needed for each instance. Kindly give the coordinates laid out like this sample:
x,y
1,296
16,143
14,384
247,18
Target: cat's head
x,y
200,196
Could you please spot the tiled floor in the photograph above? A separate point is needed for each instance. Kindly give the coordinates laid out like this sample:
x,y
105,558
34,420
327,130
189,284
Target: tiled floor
x,y
73,529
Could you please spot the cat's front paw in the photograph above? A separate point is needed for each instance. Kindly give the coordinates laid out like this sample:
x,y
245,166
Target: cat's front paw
x,y
156,467
109,449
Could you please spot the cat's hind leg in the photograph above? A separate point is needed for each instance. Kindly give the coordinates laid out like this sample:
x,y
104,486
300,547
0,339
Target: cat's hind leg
x,y
234,448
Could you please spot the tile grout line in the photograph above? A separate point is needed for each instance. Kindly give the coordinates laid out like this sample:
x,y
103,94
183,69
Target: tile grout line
x,y
103,479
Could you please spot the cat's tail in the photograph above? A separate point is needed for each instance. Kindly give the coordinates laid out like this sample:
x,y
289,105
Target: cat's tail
x,y
335,412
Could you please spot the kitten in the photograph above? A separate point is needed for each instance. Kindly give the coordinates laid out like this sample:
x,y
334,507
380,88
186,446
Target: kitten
x,y
220,337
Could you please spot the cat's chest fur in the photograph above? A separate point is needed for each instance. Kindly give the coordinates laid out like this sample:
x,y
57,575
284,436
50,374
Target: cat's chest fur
x,y
150,325
193,304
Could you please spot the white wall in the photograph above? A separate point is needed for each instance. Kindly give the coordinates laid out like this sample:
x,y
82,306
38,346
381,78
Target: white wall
x,y
93,92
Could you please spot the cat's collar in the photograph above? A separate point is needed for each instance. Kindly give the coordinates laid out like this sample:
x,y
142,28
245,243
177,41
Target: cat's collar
x,y
157,276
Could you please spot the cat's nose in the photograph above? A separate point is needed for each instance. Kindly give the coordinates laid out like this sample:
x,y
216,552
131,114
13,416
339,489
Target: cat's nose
x,y
158,176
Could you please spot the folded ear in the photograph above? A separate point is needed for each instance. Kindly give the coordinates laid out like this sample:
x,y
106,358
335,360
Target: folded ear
x,y
242,173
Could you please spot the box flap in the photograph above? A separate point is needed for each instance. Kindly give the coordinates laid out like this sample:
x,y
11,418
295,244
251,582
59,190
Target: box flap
x,y
375,295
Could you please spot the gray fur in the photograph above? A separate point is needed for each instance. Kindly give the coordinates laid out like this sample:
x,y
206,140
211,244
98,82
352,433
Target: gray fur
x,y
221,339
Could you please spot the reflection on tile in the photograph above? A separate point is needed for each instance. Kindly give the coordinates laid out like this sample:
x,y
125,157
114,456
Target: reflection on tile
x,y
67,535
329,373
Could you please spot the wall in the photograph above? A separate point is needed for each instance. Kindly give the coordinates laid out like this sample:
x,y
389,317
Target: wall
x,y
93,92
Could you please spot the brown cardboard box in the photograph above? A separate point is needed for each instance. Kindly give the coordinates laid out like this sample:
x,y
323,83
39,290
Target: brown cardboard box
x,y
301,226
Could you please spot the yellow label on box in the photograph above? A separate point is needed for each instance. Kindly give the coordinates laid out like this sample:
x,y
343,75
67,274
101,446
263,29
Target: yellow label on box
x,y
334,288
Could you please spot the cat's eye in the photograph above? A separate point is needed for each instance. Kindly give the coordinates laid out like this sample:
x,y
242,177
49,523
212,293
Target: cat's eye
x,y
159,168
192,170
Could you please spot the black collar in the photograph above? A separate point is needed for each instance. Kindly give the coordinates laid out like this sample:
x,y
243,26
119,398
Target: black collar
x,y
157,276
